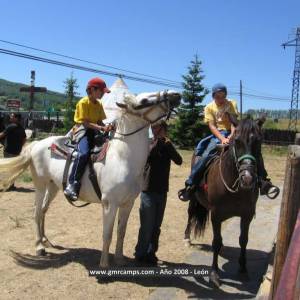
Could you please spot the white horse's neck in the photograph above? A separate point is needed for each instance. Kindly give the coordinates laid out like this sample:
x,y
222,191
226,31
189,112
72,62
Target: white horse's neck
x,y
134,148
126,156
130,123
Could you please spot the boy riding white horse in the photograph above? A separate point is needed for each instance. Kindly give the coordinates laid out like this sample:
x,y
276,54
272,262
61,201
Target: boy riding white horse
x,y
88,119
118,175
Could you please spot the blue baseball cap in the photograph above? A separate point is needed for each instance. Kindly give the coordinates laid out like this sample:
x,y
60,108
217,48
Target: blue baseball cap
x,y
219,87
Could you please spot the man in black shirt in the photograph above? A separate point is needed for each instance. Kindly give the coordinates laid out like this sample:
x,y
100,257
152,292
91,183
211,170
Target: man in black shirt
x,y
14,138
154,192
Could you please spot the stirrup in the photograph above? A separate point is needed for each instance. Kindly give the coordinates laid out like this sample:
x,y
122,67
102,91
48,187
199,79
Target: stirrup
x,y
273,192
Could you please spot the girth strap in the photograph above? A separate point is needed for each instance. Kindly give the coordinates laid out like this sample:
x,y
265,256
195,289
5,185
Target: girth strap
x,y
93,179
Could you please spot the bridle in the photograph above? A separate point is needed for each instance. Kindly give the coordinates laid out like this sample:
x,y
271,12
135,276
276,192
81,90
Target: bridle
x,y
162,102
240,166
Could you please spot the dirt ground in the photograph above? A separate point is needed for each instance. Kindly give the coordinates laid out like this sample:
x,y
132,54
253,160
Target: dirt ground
x,y
78,232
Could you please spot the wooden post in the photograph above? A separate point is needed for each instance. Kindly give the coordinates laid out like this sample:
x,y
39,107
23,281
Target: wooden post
x,y
289,284
288,213
32,90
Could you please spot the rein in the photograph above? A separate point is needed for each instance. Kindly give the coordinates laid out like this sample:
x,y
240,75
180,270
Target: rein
x,y
165,108
141,128
231,190
235,188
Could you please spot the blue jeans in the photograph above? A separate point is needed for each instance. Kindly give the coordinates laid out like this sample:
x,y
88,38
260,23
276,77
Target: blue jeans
x,y
83,147
151,216
208,153
202,145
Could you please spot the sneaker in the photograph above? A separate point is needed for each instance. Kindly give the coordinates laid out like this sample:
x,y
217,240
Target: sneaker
x,y
11,188
149,259
143,260
152,258
72,190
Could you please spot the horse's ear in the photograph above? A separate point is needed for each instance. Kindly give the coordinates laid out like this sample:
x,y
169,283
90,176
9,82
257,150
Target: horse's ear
x,y
233,119
261,120
121,105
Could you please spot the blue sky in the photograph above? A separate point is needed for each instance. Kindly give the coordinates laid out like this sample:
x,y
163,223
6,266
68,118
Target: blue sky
x,y
235,39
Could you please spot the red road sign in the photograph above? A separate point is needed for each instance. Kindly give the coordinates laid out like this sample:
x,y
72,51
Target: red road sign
x,y
13,103
33,89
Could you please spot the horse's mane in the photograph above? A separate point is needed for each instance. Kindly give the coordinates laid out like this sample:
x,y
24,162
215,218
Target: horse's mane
x,y
246,128
129,99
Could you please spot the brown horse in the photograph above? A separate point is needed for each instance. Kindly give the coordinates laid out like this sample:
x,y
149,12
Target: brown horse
x,y
232,190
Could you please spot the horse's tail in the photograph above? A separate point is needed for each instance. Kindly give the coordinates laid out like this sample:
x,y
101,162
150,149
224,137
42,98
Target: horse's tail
x,y
11,168
198,216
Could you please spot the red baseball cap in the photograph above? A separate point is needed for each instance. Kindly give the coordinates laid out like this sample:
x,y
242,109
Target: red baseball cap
x,y
98,83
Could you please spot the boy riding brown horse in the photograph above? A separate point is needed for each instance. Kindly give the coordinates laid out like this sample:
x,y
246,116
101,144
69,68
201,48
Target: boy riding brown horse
x,y
219,115
232,191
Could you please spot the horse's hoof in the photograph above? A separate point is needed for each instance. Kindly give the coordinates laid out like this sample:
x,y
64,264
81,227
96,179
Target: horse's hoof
x,y
46,243
214,279
103,265
187,242
120,261
41,252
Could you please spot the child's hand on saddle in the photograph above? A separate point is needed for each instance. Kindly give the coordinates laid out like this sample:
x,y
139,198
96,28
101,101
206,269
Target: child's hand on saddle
x,y
110,127
107,128
225,141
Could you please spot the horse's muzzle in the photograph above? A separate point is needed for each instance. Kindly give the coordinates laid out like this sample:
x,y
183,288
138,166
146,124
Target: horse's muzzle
x,y
246,180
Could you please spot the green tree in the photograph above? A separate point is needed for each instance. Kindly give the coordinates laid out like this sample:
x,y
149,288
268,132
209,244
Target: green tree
x,y
71,86
187,128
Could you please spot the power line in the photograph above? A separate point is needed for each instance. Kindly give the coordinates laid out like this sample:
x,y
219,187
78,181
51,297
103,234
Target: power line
x,y
262,97
267,97
88,61
161,81
83,68
264,93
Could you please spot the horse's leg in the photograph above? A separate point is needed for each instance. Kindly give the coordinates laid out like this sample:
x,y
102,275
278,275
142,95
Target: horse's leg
x,y
187,232
245,222
109,214
39,196
123,215
49,196
216,245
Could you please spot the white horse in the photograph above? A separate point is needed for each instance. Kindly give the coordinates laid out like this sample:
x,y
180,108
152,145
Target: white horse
x,y
119,175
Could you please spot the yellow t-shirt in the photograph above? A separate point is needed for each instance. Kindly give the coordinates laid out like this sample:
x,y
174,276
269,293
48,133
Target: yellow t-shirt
x,y
215,113
87,110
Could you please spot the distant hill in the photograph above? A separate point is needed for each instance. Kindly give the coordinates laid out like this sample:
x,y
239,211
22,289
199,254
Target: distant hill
x,y
11,90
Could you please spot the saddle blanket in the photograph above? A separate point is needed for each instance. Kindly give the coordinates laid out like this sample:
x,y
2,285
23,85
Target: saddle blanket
x,y
63,147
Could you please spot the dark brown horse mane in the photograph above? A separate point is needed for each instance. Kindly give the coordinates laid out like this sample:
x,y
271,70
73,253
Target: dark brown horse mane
x,y
247,128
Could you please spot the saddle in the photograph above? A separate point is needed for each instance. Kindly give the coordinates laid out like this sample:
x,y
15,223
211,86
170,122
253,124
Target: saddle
x,y
203,182
64,148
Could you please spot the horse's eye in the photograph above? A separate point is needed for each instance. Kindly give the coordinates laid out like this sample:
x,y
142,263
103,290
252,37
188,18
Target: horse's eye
x,y
144,101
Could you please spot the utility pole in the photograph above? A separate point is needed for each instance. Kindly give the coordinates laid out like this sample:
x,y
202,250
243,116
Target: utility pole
x,y
241,99
32,90
296,79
